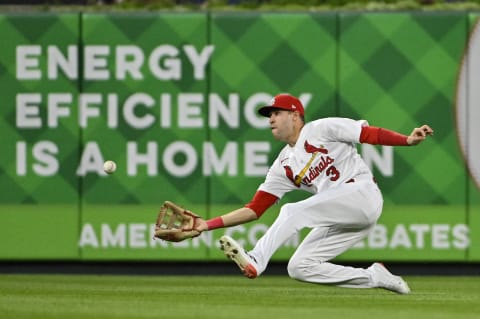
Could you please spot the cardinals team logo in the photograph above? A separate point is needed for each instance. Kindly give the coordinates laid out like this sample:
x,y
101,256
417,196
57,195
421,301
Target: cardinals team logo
x,y
309,172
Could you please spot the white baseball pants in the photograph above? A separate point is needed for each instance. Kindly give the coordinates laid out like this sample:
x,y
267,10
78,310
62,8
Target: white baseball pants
x,y
339,218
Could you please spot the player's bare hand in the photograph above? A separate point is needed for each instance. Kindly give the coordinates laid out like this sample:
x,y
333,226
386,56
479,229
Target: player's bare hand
x,y
419,134
201,225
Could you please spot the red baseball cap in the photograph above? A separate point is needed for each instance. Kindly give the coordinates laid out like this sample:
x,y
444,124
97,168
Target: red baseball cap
x,y
284,102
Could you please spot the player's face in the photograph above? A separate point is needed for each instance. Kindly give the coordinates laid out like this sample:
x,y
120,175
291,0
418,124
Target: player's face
x,y
283,126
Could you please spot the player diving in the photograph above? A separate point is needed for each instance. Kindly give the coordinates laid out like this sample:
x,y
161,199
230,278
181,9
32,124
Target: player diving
x,y
319,157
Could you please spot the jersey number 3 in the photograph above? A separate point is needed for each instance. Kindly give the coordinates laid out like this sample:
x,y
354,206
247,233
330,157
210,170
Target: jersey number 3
x,y
333,173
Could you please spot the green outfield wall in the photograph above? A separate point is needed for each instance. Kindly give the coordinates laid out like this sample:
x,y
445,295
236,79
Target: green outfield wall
x,y
172,98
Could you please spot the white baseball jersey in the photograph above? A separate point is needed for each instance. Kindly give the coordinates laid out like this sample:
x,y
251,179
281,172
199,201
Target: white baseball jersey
x,y
324,156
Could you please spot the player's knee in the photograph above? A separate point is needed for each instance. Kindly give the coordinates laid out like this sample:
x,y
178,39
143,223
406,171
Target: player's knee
x,y
297,268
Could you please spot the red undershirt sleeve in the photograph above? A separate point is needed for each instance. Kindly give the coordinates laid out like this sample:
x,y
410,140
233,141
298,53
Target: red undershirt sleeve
x,y
261,201
380,136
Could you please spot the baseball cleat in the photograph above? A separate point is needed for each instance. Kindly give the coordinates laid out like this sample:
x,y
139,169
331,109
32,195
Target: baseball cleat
x,y
235,252
384,279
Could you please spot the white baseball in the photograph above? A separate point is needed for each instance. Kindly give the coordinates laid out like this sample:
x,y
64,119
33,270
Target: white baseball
x,y
109,167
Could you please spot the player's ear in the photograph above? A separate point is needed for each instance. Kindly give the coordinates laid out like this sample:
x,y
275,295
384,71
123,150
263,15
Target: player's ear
x,y
297,115
301,118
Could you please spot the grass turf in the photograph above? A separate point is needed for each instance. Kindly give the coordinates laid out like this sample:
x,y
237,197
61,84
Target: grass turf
x,y
171,297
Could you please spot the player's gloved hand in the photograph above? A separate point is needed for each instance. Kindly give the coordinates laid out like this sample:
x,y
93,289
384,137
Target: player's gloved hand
x,y
175,223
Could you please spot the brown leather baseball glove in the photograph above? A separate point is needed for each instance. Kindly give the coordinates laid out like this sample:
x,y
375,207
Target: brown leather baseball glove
x,y
175,223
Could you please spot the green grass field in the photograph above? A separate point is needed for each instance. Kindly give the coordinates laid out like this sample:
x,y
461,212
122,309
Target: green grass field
x,y
171,297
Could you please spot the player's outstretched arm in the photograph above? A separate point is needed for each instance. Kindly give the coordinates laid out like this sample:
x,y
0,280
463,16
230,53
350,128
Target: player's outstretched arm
x,y
236,217
419,134
260,202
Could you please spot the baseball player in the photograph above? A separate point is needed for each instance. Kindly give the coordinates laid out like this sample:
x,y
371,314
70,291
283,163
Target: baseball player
x,y
319,157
